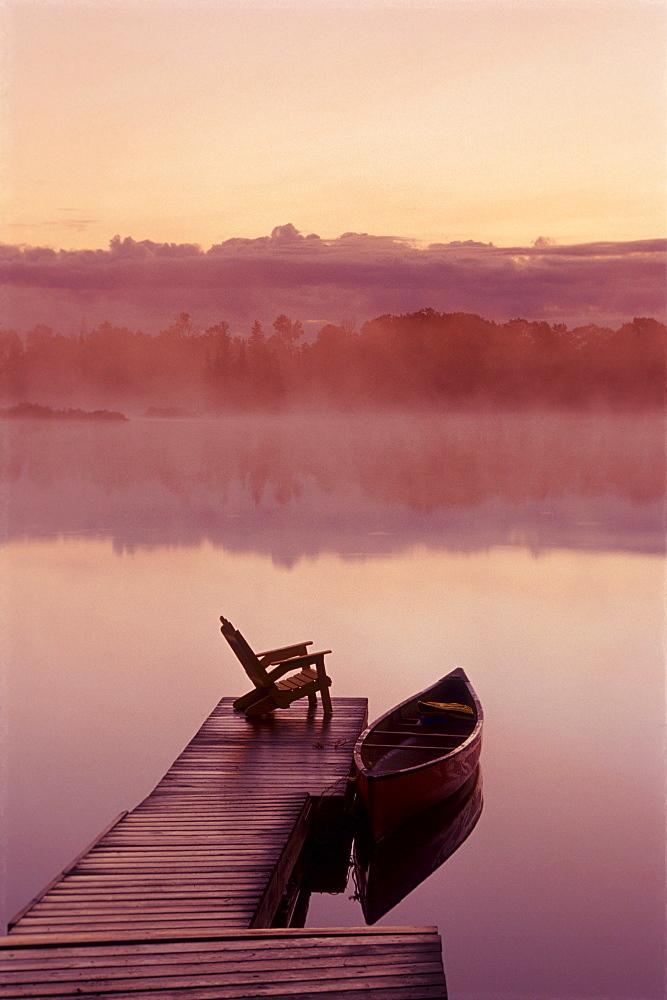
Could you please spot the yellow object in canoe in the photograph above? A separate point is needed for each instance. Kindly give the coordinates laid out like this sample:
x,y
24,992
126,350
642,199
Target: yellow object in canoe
x,y
436,708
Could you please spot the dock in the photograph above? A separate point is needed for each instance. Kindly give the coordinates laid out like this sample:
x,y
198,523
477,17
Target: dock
x,y
184,896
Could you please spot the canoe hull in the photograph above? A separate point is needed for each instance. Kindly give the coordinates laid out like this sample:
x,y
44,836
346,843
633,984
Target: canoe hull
x,y
390,797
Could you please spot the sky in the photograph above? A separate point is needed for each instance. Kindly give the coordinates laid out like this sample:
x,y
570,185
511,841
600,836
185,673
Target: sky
x,y
415,122
460,119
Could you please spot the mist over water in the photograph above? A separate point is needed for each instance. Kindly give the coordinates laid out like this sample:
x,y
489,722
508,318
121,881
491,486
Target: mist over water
x,y
526,548
301,484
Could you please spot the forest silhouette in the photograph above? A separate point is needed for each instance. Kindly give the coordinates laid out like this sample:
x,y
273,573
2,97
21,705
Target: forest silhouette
x,y
421,359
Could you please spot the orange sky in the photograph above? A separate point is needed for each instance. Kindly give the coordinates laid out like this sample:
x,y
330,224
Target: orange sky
x,y
463,119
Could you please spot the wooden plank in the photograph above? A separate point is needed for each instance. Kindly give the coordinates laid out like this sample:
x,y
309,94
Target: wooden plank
x,y
257,936
423,990
321,975
59,966
78,963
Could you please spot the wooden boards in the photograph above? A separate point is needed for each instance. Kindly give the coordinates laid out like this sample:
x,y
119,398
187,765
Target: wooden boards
x,y
332,964
214,844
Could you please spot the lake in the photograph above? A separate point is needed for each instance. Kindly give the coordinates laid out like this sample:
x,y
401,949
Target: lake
x,y
526,548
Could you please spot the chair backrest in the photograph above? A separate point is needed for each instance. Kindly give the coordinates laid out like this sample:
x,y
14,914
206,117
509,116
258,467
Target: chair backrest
x,y
244,654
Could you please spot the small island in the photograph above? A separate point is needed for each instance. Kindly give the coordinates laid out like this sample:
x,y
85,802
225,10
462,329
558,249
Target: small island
x,y
36,410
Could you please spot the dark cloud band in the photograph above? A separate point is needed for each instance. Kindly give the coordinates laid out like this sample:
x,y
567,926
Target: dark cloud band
x,y
359,273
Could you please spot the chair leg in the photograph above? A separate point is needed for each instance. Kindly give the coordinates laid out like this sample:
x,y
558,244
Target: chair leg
x,y
312,701
326,702
324,686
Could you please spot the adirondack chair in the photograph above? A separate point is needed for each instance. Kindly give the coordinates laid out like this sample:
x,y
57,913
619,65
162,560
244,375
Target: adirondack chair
x,y
297,674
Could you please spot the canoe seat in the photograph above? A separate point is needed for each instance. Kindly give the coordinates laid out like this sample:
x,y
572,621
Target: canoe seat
x,y
428,732
415,746
296,673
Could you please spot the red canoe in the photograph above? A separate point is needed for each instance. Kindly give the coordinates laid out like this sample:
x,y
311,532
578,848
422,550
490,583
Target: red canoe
x,y
419,754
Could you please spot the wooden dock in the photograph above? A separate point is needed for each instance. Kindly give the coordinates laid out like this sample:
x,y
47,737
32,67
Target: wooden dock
x,y
215,843
170,899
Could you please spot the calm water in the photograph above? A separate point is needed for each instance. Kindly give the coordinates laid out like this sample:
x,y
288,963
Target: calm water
x,y
527,549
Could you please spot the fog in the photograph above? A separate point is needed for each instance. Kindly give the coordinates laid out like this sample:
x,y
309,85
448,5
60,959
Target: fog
x,y
294,485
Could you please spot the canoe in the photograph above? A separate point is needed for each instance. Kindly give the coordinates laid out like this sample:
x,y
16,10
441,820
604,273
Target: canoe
x,y
410,759
388,870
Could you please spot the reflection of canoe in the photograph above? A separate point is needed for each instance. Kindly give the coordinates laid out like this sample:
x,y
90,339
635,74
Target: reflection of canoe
x,y
387,871
407,761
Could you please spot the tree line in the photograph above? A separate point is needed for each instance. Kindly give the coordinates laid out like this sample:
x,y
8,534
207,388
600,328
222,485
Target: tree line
x,y
419,359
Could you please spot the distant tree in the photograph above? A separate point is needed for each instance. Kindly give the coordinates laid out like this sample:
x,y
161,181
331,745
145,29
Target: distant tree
x,y
13,372
241,358
332,362
259,361
287,332
11,346
216,344
180,328
256,334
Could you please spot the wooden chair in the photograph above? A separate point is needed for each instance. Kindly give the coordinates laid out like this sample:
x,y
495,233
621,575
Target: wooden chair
x,y
298,674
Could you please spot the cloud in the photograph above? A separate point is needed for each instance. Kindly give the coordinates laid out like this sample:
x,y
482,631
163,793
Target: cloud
x,y
143,283
77,224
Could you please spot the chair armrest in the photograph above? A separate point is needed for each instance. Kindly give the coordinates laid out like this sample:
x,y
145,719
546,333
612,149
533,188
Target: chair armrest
x,y
295,663
283,653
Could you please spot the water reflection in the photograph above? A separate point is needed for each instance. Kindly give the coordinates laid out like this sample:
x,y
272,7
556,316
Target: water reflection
x,y
294,486
388,870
